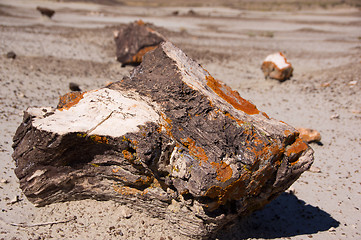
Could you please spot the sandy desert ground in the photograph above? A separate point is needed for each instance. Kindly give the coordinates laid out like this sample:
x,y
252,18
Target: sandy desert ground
x,y
322,42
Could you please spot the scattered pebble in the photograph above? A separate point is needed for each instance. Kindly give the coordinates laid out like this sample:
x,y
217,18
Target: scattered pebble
x,y
335,116
292,190
314,169
107,83
15,199
126,213
74,87
327,84
352,83
11,55
4,181
46,11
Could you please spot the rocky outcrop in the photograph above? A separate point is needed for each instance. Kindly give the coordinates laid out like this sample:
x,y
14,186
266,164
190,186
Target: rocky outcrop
x,y
170,140
135,40
277,67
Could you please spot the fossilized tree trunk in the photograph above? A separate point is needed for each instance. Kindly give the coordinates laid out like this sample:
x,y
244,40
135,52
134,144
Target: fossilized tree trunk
x,y
170,140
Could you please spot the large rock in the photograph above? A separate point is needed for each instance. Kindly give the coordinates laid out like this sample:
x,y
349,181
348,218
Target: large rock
x,y
170,140
135,40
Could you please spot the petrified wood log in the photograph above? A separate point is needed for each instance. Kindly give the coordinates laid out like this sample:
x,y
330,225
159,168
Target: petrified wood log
x,y
170,140
277,67
134,41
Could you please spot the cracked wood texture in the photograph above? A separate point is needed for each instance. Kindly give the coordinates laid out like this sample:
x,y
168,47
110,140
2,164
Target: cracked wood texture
x,y
170,140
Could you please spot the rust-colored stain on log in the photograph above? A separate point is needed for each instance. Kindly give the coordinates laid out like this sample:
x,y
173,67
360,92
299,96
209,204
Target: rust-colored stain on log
x,y
224,171
124,190
195,151
137,58
140,22
265,114
99,139
133,142
297,147
127,155
287,133
232,97
69,100
240,122
234,191
144,180
167,125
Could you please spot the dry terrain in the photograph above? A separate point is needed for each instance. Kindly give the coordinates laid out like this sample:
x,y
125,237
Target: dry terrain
x,y
322,39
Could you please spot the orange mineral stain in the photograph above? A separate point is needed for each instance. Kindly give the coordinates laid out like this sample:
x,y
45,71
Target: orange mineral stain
x,y
194,150
140,22
287,133
124,190
224,171
139,56
297,147
99,139
234,191
167,125
69,100
232,97
127,155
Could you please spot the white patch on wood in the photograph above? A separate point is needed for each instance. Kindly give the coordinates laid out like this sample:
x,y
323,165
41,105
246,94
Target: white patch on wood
x,y
37,173
103,112
193,74
279,60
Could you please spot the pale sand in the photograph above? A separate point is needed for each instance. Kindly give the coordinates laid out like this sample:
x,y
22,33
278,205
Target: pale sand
x,y
323,45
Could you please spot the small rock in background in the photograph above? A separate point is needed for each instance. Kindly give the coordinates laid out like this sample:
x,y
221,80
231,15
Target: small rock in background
x,y
335,116
352,83
309,135
314,169
134,41
326,84
4,181
277,67
191,12
292,190
46,11
74,87
126,213
15,199
11,55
